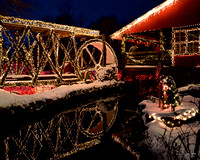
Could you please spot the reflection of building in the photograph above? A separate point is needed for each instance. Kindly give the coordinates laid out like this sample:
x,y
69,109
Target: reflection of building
x,y
179,17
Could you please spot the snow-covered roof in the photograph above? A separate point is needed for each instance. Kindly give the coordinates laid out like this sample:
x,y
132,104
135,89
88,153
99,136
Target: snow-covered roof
x,y
171,13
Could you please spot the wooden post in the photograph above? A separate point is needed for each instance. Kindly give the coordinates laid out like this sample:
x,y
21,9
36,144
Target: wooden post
x,y
159,67
38,52
73,63
104,51
74,43
17,55
57,52
162,49
123,46
123,50
1,51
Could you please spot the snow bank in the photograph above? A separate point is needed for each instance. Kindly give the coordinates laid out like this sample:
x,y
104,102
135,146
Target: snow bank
x,y
189,104
169,143
173,142
189,87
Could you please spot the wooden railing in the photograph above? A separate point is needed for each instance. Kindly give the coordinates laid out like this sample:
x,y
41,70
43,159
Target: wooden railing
x,y
29,49
147,58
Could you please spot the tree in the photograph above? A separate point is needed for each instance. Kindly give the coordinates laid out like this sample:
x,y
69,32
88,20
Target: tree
x,y
170,95
15,7
106,25
65,15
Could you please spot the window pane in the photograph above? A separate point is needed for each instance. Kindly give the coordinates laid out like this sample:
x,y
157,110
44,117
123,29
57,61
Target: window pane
x,y
190,36
196,47
187,42
183,48
177,37
196,35
176,49
193,35
190,47
182,38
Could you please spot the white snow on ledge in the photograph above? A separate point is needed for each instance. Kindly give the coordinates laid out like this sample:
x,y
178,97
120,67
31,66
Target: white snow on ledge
x,y
8,99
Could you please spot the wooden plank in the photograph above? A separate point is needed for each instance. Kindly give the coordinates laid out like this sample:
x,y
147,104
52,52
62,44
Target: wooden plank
x,y
66,76
143,57
144,52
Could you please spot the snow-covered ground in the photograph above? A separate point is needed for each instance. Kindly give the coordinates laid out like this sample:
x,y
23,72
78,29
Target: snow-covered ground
x,y
176,141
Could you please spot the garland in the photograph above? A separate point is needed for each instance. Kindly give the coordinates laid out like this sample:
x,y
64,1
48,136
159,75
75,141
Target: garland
x,y
144,40
136,38
139,61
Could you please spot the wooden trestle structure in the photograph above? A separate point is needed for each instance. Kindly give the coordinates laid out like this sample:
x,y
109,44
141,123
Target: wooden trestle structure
x,y
30,49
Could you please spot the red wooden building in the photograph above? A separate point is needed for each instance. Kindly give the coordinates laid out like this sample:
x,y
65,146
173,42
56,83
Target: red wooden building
x,y
170,37
182,18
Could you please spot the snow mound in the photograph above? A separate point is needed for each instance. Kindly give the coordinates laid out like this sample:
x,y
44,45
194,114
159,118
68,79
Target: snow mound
x,y
177,141
191,89
106,73
188,109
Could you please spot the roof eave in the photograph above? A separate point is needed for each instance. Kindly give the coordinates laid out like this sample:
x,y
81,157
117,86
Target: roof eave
x,y
118,34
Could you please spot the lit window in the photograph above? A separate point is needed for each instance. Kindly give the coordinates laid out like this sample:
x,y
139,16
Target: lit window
x,y
187,42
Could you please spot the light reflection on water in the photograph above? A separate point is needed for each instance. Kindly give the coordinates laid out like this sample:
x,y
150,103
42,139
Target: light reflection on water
x,y
65,134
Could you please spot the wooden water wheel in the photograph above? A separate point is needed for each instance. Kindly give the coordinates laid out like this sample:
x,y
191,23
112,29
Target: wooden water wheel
x,y
93,55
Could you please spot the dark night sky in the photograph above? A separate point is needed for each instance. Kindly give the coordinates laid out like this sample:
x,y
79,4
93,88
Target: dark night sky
x,y
125,10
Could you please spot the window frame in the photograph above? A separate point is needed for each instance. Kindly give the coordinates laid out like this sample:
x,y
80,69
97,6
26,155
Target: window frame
x,y
182,42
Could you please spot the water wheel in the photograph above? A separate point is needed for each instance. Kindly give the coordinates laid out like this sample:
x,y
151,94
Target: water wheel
x,y
91,58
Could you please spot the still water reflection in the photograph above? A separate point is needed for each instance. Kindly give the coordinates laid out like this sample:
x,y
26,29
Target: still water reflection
x,y
66,133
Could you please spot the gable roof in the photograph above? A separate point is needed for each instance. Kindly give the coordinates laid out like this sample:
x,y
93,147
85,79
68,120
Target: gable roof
x,y
171,13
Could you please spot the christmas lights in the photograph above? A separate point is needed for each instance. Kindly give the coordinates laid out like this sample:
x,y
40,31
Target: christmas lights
x,y
1,51
40,24
170,96
175,118
154,11
128,38
30,51
181,46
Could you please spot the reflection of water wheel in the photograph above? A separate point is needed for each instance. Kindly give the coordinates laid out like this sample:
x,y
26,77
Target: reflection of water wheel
x,y
97,118
90,58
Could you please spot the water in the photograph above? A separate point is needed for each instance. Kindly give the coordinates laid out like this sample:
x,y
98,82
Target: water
x,y
110,127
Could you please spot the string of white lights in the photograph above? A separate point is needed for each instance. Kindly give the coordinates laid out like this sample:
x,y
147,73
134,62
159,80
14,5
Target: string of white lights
x,y
41,24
